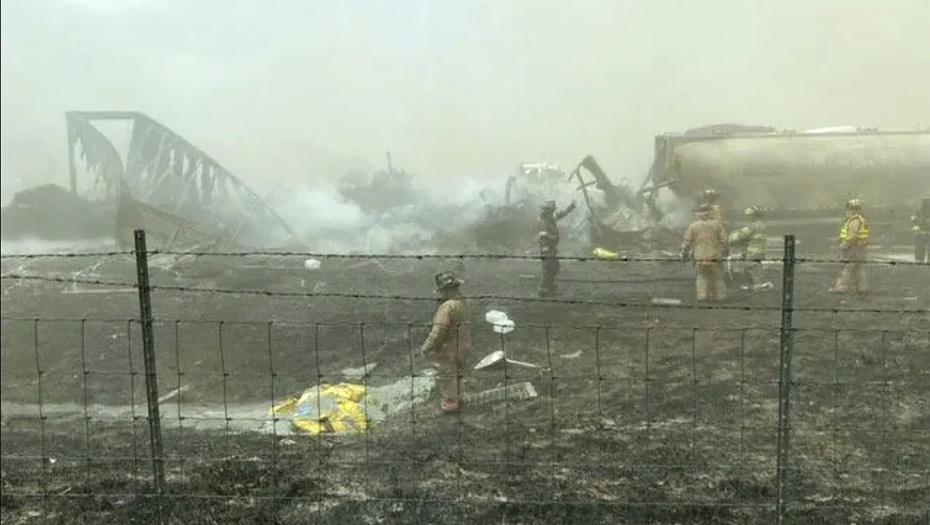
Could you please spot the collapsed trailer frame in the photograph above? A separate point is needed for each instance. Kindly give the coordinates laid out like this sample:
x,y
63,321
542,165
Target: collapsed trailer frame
x,y
167,177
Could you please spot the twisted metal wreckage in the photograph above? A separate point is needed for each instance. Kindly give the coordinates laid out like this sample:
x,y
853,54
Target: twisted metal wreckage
x,y
183,197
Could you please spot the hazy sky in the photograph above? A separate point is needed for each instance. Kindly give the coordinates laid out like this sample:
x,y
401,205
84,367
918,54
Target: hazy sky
x,y
287,89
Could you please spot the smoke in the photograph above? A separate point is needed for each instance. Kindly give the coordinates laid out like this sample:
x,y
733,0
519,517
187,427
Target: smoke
x,y
31,246
295,90
325,221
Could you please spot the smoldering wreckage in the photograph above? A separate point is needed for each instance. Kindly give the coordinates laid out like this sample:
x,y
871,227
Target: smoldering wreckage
x,y
190,205
187,201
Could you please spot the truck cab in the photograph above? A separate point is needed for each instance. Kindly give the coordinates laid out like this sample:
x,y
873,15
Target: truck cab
x,y
537,181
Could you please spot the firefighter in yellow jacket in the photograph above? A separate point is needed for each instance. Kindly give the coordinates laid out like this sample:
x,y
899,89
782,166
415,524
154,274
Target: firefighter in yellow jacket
x,y
706,242
450,341
750,240
854,247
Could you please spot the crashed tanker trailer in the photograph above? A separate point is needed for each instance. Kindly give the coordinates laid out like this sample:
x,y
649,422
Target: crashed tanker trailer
x,y
801,179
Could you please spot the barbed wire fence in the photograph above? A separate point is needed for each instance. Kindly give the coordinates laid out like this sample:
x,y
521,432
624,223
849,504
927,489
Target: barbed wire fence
x,y
665,424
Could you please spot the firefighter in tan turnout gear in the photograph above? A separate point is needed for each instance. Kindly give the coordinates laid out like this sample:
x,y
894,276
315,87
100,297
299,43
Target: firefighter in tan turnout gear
x,y
450,341
706,243
711,200
548,239
854,247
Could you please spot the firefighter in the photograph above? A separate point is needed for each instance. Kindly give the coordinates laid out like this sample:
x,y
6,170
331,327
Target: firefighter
x,y
449,343
920,225
854,246
751,241
711,199
706,243
548,239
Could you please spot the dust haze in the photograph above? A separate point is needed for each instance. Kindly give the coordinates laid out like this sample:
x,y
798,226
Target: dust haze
x,y
296,91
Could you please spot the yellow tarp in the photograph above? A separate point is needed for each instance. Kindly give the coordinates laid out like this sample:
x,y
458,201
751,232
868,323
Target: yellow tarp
x,y
338,409
607,255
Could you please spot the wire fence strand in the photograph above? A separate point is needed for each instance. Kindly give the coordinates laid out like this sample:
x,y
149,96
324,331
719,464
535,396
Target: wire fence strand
x,y
618,259
685,411
480,297
600,407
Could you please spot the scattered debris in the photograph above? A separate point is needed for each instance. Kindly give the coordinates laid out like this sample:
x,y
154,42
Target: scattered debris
x,y
360,372
350,408
763,287
174,393
327,409
606,255
514,392
618,216
499,321
51,212
379,191
496,360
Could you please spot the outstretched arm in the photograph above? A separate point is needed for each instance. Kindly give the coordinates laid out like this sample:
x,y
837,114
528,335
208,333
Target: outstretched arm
x,y
564,213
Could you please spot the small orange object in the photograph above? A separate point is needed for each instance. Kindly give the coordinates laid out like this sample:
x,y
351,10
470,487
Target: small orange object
x,y
450,406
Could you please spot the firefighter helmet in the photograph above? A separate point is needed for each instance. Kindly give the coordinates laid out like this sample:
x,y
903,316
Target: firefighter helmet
x,y
447,280
854,204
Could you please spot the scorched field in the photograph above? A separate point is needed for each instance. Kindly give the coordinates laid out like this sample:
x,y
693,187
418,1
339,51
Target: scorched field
x,y
636,411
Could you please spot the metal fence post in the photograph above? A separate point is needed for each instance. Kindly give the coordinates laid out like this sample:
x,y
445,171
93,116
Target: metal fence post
x,y
148,351
784,376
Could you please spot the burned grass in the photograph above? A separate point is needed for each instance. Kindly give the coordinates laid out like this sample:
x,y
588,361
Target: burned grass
x,y
644,415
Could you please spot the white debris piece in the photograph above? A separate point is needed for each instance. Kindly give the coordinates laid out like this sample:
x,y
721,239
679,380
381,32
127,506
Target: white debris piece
x,y
500,323
360,372
504,327
497,359
312,264
515,392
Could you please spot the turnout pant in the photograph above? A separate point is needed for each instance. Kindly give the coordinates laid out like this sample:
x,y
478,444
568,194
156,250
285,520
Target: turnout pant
x,y
710,283
852,277
755,270
550,271
449,379
921,246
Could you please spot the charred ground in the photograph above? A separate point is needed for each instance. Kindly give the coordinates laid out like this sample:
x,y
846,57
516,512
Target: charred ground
x,y
644,415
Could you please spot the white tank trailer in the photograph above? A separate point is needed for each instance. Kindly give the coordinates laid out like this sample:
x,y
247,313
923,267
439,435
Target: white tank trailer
x,y
802,179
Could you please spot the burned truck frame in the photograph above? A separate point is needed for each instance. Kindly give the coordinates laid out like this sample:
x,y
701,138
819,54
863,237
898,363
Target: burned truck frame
x,y
181,195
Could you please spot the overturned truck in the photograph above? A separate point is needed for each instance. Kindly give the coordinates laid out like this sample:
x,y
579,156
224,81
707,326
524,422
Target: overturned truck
x,y
799,178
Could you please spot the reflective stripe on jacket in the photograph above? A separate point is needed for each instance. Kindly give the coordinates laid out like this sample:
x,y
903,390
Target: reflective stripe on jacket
x,y
755,233
855,231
